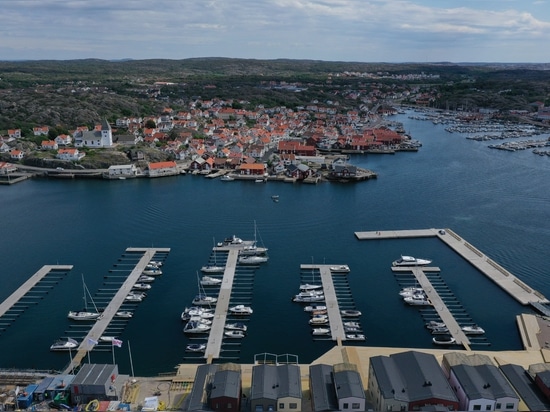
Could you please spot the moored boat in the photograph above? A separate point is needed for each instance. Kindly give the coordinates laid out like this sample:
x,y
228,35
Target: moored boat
x,y
320,331
135,296
196,327
124,314
319,320
340,269
204,300
83,315
212,269
195,347
252,259
350,313
236,326
410,261
210,281
355,336
306,287
234,334
314,307
473,330
410,291
156,263
308,299
152,272
443,330
444,340
64,345
145,279
417,300
352,324
227,178
240,310
141,286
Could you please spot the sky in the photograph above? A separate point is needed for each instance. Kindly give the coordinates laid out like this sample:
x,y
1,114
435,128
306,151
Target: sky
x,y
506,31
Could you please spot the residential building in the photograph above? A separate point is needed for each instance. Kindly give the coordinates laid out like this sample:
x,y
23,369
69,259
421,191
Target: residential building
x,y
40,130
14,133
350,394
63,139
49,145
276,388
121,171
16,154
216,387
408,381
6,168
70,154
482,388
253,169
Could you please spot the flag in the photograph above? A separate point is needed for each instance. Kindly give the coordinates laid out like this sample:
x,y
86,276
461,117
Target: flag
x,y
92,341
117,342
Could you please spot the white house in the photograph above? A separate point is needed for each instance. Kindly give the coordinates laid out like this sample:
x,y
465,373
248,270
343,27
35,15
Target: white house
x,y
14,133
40,130
63,139
16,154
70,154
121,171
49,145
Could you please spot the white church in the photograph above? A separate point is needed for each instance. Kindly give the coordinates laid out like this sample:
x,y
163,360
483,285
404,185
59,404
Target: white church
x,y
99,137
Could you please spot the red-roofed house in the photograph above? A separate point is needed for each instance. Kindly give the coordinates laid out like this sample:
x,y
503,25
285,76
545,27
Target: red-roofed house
x,y
14,133
16,154
49,145
40,130
252,169
63,139
70,154
160,169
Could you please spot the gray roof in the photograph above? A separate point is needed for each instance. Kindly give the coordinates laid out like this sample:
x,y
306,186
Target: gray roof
x,y
322,388
196,399
226,383
483,381
525,387
348,385
95,374
412,376
274,382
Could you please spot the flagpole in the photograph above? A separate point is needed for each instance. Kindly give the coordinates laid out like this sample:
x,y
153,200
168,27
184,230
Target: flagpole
x,y
113,350
131,363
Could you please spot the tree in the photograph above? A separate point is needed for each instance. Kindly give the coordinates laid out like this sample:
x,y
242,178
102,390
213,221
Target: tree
x,y
150,124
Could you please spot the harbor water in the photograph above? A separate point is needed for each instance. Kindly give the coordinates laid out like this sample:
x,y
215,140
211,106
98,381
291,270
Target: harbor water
x,y
496,200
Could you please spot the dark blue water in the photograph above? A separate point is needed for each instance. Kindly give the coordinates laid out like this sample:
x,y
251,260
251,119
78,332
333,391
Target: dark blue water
x,y
496,200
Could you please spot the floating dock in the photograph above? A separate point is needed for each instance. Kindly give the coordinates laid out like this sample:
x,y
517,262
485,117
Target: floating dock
x,y
502,277
331,301
440,307
29,284
215,337
96,331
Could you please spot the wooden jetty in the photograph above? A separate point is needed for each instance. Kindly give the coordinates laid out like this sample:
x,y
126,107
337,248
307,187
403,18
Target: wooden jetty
x,y
502,277
29,284
112,308
438,304
331,301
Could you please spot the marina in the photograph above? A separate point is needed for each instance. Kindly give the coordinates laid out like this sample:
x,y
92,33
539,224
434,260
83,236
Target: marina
x,y
500,276
99,327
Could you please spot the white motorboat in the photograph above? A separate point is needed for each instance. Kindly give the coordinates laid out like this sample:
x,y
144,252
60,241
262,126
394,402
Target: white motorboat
x,y
241,310
340,269
444,340
234,334
352,324
308,299
107,338
410,291
188,313
350,313
212,269
156,263
196,327
234,240
410,261
320,331
152,272
236,326
124,314
195,347
252,249
434,324
319,320
204,300
200,319
151,266
417,300
319,312
227,178
135,296
309,293
210,281
64,345
350,329
355,336
307,287
145,279
141,286
312,308
442,330
473,330
252,259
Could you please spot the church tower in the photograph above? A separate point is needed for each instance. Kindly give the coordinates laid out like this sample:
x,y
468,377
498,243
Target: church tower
x,y
106,134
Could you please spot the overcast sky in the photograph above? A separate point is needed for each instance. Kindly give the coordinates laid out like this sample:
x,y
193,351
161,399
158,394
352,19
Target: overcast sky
x,y
334,30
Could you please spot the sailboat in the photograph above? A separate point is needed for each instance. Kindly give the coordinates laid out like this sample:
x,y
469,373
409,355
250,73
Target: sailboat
x,y
85,314
213,268
202,299
253,249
